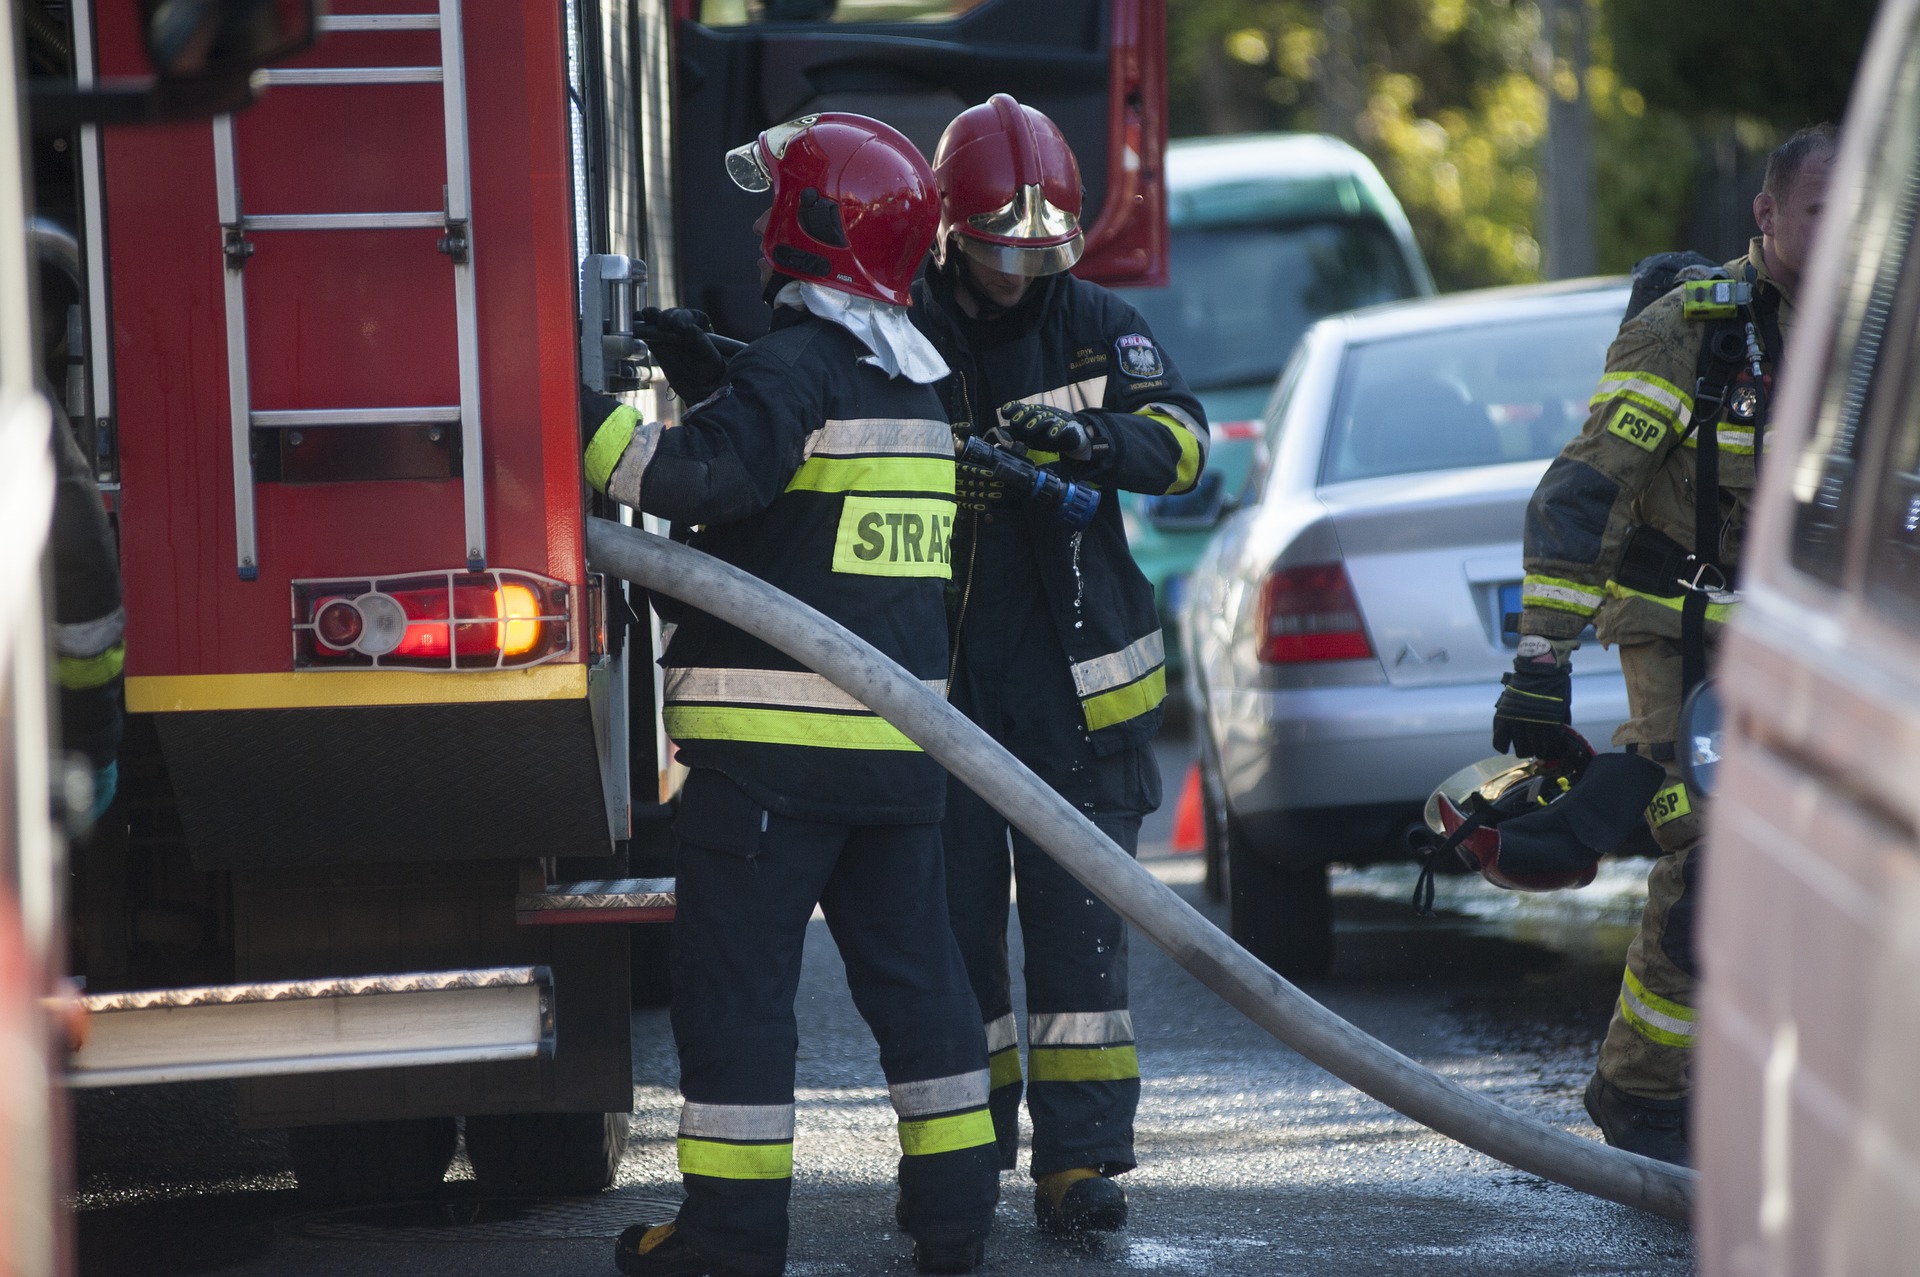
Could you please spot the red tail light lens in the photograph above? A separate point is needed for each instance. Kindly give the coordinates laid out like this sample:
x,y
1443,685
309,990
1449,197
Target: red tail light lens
x,y
441,621
1310,614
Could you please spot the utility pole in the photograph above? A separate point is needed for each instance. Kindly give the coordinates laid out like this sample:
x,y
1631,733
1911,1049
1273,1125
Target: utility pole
x,y
1566,194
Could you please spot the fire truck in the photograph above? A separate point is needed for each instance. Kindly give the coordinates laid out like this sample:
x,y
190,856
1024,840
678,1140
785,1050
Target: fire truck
x,y
391,845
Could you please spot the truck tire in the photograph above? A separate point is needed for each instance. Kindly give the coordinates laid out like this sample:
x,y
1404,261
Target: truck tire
x,y
355,1162
1282,916
546,1154
649,950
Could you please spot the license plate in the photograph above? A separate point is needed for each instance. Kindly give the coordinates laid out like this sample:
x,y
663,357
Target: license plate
x,y
1510,614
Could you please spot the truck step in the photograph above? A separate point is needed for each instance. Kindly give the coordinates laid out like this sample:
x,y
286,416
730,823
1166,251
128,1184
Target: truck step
x,y
599,900
327,1025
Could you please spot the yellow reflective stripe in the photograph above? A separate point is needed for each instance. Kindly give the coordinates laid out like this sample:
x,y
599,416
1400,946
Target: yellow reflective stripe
x,y
176,693
1737,440
874,474
1719,612
78,673
1653,1017
1004,1068
736,1161
1643,387
1084,1064
930,1135
1117,669
1560,594
1669,805
1186,471
1126,702
609,441
784,727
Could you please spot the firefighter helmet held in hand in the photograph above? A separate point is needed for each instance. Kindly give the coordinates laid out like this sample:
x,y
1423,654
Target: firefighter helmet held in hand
x,y
854,206
1009,190
1542,824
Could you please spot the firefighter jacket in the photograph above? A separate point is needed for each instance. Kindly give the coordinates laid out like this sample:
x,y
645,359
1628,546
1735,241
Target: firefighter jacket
x,y
89,623
1077,347
1633,466
833,482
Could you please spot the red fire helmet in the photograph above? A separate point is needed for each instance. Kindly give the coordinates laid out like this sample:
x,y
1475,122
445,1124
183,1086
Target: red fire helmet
x,y
853,202
1009,189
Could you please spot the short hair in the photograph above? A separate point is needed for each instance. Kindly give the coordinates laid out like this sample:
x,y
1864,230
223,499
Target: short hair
x,y
1783,166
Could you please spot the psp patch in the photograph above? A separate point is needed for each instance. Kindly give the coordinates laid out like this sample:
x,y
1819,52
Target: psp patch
x,y
1139,357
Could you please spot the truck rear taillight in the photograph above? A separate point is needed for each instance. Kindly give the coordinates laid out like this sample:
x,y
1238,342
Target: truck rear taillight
x,y
430,621
1310,614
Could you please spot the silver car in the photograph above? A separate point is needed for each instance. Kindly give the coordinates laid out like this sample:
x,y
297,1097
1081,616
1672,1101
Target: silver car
x,y
1346,631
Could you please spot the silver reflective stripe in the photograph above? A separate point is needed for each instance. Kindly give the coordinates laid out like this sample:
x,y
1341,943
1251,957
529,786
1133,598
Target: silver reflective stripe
x,y
1584,599
1079,1028
940,1095
1185,418
623,485
1000,1034
1091,393
1638,1010
90,638
1117,669
796,688
736,1121
892,436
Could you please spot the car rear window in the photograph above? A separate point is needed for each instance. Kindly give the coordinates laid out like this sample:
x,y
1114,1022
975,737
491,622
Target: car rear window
x,y
1241,296
1475,395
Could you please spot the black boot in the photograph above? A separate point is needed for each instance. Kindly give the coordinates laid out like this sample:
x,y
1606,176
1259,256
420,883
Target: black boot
x,y
658,1250
1651,1128
1076,1202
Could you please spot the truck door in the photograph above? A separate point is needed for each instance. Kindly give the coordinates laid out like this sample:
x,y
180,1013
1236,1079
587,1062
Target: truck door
x,y
1096,67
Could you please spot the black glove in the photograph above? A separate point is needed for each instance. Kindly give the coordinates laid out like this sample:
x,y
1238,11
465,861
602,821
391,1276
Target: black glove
x,y
975,487
682,349
1050,429
1535,711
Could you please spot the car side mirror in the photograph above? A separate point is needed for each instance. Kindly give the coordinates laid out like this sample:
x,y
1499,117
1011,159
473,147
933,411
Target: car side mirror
x,y
1700,737
203,53
1196,510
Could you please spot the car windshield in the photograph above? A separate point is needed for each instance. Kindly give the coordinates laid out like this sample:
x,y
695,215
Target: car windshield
x,y
1473,395
1242,295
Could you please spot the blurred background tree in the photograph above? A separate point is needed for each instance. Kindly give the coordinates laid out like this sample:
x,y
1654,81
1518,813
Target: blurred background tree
x,y
1531,138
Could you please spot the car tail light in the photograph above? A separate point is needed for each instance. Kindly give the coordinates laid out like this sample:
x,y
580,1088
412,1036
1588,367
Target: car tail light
x,y
1310,614
430,621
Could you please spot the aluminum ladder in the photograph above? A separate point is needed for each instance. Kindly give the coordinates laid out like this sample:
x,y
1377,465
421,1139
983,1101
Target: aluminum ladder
x,y
456,243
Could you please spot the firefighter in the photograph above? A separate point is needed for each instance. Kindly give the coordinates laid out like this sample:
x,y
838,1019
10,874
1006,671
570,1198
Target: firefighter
x,y
1637,528
89,623
821,463
1057,647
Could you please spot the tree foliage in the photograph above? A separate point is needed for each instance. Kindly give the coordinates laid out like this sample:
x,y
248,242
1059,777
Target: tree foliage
x,y
1788,62
1449,98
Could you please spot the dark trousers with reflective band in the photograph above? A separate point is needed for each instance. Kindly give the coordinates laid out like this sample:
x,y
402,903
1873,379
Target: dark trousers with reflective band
x,y
1012,678
1649,1045
748,882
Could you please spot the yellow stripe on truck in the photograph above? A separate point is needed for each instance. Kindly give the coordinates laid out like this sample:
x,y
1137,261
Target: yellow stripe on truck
x,y
332,689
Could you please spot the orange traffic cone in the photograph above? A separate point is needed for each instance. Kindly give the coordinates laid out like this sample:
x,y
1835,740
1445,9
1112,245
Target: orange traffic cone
x,y
1189,823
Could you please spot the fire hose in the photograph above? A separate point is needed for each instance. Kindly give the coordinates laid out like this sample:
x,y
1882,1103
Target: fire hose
x,y
1148,905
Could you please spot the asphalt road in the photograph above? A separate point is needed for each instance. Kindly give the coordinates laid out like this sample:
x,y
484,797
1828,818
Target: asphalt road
x,y
1253,1162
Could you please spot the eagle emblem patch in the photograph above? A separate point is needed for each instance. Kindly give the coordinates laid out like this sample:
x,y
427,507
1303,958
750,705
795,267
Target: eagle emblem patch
x,y
1139,357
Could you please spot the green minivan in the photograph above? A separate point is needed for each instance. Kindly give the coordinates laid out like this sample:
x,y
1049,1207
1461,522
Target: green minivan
x,y
1270,231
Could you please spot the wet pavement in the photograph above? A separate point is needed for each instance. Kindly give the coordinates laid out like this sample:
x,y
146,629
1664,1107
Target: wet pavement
x,y
1253,1162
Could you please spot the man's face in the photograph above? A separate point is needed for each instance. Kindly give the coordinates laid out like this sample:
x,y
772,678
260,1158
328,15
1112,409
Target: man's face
x,y
996,286
1788,221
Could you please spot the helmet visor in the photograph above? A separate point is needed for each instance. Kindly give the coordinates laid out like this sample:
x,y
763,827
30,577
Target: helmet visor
x,y
1021,259
747,165
1490,777
1029,215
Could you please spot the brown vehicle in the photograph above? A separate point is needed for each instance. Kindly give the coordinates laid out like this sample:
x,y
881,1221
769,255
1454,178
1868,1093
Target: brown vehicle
x,y
1807,1130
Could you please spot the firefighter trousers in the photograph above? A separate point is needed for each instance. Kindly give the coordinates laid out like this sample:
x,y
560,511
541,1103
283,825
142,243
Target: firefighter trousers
x,y
1649,1045
748,883
1012,678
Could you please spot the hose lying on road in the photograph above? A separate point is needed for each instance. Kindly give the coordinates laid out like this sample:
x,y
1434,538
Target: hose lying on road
x,y
1148,904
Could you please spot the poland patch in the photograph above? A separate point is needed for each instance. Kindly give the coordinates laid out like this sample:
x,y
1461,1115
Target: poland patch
x,y
1139,357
